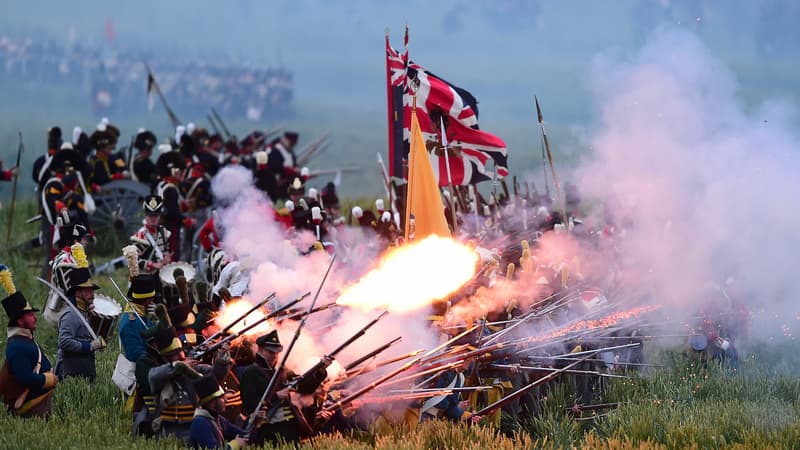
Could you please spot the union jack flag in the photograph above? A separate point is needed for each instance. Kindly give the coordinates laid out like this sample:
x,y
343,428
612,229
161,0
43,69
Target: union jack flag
x,y
471,147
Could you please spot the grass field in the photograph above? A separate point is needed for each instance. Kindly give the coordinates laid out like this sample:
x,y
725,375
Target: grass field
x,y
685,404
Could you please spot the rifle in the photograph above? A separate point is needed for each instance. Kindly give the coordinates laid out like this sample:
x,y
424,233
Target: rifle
x,y
519,392
387,185
240,318
272,386
198,353
308,382
371,354
228,134
213,125
20,149
290,315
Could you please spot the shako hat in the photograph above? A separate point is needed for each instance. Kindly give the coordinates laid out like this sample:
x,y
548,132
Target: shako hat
x,y
207,389
270,340
153,204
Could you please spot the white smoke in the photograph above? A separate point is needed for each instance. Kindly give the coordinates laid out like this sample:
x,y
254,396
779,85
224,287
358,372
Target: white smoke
x,y
703,180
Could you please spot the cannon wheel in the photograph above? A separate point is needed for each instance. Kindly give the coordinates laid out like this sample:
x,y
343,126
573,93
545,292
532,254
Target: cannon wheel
x,y
119,207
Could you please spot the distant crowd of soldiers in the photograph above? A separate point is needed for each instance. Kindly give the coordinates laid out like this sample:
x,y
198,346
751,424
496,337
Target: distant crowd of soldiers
x,y
116,77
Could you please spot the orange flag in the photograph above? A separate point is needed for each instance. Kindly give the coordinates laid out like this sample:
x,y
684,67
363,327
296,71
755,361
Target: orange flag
x,y
423,200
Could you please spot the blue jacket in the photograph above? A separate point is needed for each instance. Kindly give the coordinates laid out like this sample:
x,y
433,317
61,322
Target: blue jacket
x,y
208,431
449,405
22,353
130,336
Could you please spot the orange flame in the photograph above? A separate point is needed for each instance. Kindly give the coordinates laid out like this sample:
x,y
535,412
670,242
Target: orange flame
x,y
413,276
605,322
234,310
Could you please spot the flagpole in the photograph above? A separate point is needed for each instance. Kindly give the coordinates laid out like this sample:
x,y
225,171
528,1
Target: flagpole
x,y
151,81
409,191
449,177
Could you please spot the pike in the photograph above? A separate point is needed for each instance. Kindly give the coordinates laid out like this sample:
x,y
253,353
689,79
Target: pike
x,y
371,354
271,387
314,374
20,149
228,134
521,391
387,185
71,305
449,176
556,183
152,85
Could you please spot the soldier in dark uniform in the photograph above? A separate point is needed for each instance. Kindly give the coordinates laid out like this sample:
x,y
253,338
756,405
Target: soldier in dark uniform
x,y
208,157
170,165
284,418
210,428
183,319
41,167
142,168
152,240
265,179
27,382
106,166
172,384
282,160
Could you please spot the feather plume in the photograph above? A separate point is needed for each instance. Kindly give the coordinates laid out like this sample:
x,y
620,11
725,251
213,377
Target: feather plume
x,y
7,281
131,254
79,254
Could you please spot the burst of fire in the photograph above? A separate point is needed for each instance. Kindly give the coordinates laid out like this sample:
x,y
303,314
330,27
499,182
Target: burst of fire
x,y
605,322
413,276
233,310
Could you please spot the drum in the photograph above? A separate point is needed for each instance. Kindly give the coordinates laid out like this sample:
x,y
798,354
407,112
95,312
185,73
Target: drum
x,y
166,272
53,309
698,342
104,318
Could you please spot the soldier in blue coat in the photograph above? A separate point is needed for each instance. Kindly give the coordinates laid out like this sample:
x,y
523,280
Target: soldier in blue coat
x,y
134,321
27,382
210,428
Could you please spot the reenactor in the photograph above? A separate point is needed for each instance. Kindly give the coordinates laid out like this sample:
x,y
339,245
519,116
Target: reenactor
x,y
153,240
27,381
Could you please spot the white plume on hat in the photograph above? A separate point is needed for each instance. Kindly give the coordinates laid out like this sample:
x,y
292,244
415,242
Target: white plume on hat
x,y
386,216
316,214
180,130
289,205
312,192
76,134
358,212
66,146
164,148
261,157
379,204
304,172
190,128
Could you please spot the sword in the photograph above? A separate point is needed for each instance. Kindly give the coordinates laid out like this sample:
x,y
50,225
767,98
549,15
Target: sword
x,y
70,304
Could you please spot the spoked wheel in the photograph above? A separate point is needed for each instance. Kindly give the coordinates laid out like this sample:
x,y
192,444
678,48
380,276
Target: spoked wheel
x,y
119,207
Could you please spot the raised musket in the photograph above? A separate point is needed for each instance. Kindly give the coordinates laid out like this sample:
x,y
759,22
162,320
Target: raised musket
x,y
271,387
20,149
313,377
371,354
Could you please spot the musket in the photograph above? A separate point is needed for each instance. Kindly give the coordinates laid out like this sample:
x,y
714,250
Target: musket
x,y
556,183
405,397
221,123
314,376
521,391
433,370
198,353
20,149
213,125
551,369
271,387
371,354
290,315
240,318
125,297
353,372
311,150
71,305
363,390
